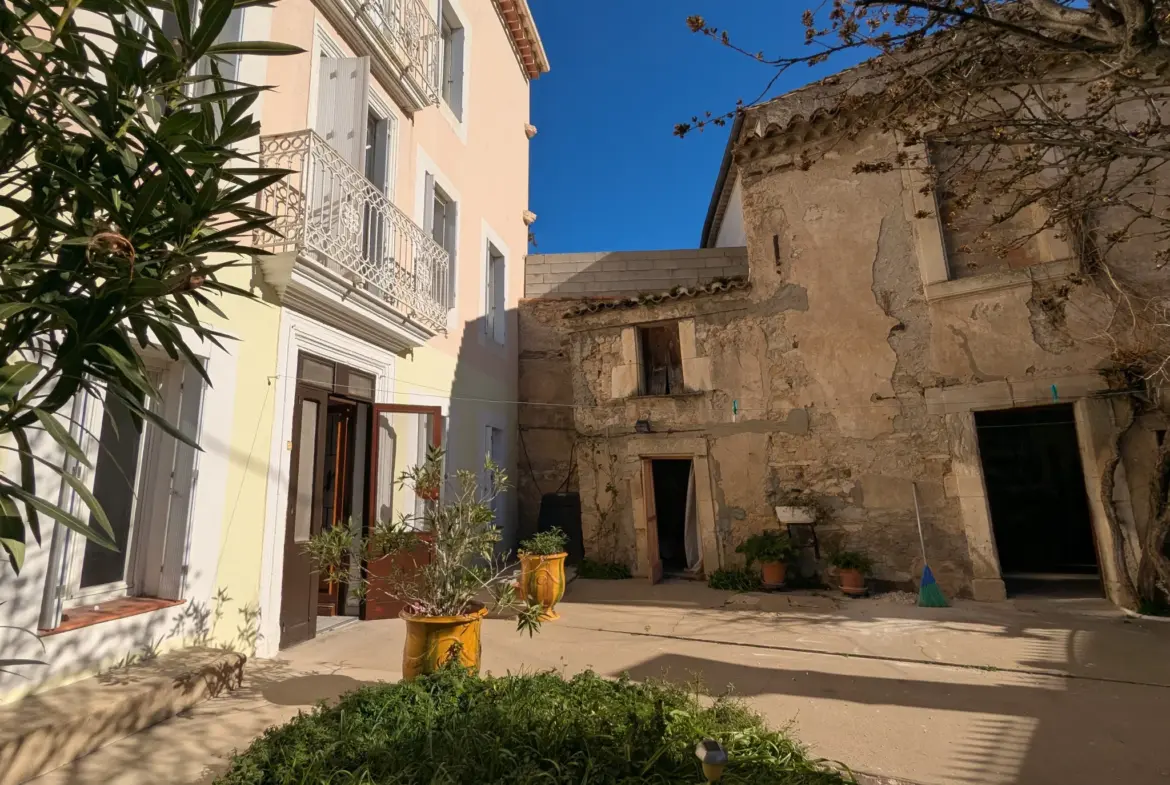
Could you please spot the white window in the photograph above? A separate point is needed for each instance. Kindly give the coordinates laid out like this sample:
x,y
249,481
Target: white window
x,y
442,222
452,42
144,480
494,314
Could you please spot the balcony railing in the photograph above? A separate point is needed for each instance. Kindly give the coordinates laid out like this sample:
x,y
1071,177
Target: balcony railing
x,y
330,214
406,29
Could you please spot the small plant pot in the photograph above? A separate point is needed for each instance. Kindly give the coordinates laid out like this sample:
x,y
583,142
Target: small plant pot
x,y
852,582
542,580
774,572
432,641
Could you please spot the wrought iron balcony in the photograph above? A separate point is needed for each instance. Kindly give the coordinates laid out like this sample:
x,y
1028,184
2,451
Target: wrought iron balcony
x,y
403,40
332,218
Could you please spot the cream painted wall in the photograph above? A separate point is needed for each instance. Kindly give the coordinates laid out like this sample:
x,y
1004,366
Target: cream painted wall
x,y
483,161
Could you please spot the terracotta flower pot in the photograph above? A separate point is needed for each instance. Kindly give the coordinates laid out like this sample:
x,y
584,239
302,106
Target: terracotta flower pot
x,y
430,640
542,580
774,572
852,582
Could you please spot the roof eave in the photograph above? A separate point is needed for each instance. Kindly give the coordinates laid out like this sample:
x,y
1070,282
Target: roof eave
x,y
711,224
521,27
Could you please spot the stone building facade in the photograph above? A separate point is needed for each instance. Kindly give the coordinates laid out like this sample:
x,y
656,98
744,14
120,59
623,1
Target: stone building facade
x,y
847,354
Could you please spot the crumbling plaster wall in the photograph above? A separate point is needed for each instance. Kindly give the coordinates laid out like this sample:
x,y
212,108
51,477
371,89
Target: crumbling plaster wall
x,y
835,360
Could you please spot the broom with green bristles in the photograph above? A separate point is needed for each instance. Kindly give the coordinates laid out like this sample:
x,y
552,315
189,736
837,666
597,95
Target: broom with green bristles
x,y
929,593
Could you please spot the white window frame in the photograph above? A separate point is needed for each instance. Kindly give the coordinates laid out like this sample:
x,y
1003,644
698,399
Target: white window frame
x,y
151,492
495,317
490,239
381,109
456,116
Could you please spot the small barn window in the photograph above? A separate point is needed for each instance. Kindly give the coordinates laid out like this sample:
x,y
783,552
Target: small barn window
x,y
661,359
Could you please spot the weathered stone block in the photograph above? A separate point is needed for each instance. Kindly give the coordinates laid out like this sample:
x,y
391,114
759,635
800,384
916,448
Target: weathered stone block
x,y
697,373
625,381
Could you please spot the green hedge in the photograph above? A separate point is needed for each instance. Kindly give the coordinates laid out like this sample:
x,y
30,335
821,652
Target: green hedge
x,y
454,729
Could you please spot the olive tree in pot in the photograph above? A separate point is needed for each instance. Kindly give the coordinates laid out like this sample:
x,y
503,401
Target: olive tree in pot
x,y
542,570
772,549
445,598
852,567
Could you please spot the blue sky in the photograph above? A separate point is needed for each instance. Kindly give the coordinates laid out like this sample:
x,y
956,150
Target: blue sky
x,y
606,172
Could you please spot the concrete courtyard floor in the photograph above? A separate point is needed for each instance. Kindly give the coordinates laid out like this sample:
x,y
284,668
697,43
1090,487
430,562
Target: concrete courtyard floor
x,y
1029,692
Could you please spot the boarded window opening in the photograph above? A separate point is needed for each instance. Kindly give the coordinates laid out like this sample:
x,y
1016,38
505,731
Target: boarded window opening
x,y
661,360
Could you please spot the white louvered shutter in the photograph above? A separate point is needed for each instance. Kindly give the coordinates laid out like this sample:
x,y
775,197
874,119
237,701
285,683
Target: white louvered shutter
x,y
342,95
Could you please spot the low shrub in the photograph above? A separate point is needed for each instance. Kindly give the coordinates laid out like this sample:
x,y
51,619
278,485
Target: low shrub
x,y
767,546
734,580
601,570
545,543
851,560
455,729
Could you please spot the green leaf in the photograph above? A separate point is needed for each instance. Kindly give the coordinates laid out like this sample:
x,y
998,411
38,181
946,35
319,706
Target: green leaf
x,y
4,123
148,198
82,117
254,48
14,376
28,478
144,413
61,436
30,43
63,517
131,372
8,310
213,15
12,533
90,501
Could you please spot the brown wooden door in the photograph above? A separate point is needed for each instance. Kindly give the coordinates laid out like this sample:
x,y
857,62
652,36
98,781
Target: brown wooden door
x,y
298,596
399,439
652,552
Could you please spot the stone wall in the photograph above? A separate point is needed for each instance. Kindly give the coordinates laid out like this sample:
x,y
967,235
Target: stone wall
x,y
610,274
834,374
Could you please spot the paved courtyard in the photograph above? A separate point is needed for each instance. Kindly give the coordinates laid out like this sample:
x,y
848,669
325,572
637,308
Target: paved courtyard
x,y
1026,692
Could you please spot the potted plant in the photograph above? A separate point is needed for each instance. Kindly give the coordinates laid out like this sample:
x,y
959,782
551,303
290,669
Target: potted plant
x,y
542,570
444,597
772,549
852,568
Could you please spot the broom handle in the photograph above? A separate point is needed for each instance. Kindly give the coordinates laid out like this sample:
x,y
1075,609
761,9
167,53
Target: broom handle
x,y
918,518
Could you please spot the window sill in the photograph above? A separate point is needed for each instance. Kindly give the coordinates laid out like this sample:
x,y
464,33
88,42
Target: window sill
x,y
671,396
87,616
990,282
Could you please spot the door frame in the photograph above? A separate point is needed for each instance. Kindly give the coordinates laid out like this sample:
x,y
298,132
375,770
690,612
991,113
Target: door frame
x,y
640,450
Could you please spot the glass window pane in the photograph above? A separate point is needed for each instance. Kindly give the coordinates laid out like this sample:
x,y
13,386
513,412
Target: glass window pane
x,y
361,385
318,372
114,483
306,454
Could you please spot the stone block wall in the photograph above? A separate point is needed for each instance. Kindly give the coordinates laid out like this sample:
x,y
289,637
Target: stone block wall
x,y
612,274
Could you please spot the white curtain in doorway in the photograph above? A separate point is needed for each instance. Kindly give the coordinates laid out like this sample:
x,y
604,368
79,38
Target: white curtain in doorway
x,y
694,551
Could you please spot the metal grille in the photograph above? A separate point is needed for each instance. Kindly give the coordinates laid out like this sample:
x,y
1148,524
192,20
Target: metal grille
x,y
329,212
407,26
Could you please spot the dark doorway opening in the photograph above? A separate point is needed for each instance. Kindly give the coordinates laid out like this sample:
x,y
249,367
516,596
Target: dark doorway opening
x,y
1036,492
671,478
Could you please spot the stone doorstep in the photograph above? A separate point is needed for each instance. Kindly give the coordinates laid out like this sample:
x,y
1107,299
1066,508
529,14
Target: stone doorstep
x,y
47,730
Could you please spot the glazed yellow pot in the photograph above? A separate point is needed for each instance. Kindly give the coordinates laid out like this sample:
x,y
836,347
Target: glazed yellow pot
x,y
542,580
430,640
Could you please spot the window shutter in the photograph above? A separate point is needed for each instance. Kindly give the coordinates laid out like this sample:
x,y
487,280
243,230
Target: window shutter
x,y
342,95
172,576
429,204
450,243
498,288
459,44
